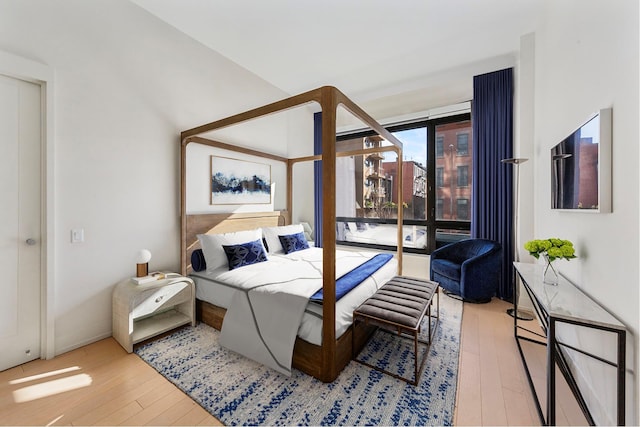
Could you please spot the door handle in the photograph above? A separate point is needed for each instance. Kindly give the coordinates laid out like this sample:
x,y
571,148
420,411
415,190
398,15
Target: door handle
x,y
30,242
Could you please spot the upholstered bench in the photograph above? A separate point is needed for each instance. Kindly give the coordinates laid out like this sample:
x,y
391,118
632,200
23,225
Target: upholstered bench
x,y
399,306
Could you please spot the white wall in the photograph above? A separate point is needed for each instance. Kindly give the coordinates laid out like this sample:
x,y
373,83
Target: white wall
x,y
300,145
524,101
586,58
126,84
287,134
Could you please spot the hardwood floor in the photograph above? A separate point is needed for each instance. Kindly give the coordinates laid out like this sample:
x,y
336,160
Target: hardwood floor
x,y
101,384
492,389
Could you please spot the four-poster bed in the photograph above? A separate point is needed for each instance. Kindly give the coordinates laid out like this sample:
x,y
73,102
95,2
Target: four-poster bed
x,y
324,361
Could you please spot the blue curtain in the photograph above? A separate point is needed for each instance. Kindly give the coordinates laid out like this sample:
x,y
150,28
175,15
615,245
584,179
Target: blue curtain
x,y
492,204
317,178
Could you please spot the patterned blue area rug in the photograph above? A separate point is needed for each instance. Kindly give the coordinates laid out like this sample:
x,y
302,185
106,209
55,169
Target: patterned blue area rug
x,y
239,391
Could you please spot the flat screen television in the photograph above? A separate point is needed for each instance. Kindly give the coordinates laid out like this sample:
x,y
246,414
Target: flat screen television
x,y
581,167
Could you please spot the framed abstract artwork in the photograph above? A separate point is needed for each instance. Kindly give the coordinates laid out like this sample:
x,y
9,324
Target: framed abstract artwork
x,y
239,182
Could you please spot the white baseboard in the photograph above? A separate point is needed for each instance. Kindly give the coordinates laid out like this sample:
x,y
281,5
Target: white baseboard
x,y
82,343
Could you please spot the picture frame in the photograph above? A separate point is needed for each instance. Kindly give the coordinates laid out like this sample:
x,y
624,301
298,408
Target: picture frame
x,y
239,182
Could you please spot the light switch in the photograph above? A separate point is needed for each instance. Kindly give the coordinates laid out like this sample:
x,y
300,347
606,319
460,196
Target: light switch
x,y
77,235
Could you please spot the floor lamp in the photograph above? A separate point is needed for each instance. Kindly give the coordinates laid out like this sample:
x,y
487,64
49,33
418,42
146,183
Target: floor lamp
x,y
516,291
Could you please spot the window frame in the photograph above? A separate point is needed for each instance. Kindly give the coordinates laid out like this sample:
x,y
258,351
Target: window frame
x,y
464,168
439,144
458,150
466,204
439,177
430,221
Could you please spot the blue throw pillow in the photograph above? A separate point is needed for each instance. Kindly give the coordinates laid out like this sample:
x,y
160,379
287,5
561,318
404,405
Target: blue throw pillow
x,y
198,262
293,242
245,254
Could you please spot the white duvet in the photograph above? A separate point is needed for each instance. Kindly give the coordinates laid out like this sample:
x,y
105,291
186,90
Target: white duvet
x,y
265,312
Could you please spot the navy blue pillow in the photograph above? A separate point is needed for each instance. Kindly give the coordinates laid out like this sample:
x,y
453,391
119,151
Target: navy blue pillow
x,y
198,263
245,254
293,242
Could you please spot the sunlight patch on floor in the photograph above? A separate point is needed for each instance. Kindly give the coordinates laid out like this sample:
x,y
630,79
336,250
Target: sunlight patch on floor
x,y
55,420
49,388
45,375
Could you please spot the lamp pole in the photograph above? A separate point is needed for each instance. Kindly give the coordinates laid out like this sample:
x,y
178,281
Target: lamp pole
x,y
516,291
451,184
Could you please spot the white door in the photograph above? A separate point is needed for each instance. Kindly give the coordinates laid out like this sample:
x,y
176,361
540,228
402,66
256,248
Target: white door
x,y
20,221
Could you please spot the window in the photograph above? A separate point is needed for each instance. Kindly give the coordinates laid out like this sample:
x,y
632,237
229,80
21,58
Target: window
x,y
457,165
439,146
463,144
462,211
431,167
439,177
463,176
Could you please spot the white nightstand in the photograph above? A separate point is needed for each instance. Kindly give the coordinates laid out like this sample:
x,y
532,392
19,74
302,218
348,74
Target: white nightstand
x,y
144,311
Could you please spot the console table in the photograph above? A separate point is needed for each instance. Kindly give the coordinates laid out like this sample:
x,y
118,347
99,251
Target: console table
x,y
565,303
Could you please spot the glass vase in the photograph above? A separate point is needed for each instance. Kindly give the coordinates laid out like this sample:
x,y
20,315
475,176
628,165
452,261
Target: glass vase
x,y
550,276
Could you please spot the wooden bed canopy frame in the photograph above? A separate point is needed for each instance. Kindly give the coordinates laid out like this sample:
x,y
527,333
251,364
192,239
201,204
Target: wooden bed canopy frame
x,y
326,361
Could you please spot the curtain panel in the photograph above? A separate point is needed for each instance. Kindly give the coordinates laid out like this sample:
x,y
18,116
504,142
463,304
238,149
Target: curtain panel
x,y
492,203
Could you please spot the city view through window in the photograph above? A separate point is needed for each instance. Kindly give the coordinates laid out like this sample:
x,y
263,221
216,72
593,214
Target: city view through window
x,y
436,176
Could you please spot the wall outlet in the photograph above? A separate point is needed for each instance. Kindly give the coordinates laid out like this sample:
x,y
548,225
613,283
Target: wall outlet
x,y
77,235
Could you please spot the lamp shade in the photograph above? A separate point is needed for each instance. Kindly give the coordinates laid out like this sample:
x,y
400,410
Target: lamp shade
x,y
143,256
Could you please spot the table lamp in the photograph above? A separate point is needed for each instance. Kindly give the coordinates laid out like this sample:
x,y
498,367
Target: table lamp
x,y
142,262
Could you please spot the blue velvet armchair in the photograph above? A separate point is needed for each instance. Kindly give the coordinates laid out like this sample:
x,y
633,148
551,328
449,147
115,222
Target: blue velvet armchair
x,y
469,268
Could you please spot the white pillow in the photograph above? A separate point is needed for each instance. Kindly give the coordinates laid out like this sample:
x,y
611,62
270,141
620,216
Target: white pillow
x,y
271,236
307,230
212,249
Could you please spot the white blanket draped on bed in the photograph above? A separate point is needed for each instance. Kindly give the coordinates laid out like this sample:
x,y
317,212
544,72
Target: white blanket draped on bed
x,y
265,312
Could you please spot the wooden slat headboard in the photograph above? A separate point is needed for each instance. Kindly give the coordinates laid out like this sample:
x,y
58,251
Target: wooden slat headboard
x,y
225,223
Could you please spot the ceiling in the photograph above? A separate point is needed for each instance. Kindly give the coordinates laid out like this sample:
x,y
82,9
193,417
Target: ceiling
x,y
395,56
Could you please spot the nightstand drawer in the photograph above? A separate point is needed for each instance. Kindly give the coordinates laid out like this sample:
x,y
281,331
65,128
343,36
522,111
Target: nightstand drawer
x,y
153,300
